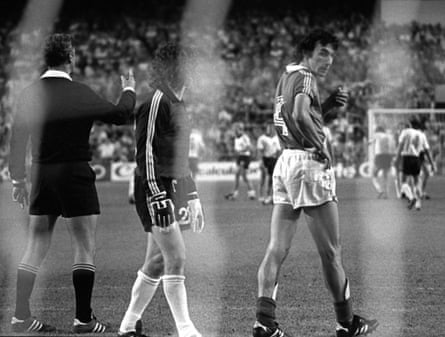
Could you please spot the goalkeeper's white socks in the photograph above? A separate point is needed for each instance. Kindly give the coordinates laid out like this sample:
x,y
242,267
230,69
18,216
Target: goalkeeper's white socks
x,y
141,294
174,290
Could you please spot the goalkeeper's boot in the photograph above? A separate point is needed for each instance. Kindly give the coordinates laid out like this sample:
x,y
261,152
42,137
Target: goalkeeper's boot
x,y
359,327
30,325
136,333
260,330
93,326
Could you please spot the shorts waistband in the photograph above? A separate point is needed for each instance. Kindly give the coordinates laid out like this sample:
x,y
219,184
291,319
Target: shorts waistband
x,y
302,154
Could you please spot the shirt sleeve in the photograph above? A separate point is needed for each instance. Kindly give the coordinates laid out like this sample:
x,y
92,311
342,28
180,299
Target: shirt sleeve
x,y
304,84
107,112
156,111
20,134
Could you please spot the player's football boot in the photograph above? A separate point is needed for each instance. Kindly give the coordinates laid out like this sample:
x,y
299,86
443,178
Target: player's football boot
x,y
418,204
30,325
251,194
260,330
93,326
359,327
411,203
231,196
136,333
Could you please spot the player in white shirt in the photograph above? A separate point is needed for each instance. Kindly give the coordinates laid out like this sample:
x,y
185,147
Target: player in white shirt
x,y
243,151
268,146
412,142
196,149
426,168
384,148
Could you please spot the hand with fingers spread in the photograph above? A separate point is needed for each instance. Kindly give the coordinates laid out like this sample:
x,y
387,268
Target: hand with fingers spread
x,y
196,215
128,81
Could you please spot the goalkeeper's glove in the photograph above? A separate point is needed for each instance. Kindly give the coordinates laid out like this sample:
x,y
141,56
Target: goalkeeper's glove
x,y
20,193
196,215
162,210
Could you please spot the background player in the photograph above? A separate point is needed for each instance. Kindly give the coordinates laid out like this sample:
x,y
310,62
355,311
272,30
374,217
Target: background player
x,y
412,142
165,193
197,148
243,151
384,148
304,182
426,169
268,146
57,114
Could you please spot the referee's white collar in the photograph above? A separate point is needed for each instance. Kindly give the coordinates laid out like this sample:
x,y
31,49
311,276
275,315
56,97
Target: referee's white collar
x,y
56,73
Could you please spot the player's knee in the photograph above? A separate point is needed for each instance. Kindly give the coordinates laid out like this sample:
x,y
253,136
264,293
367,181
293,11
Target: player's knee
x,y
174,263
278,252
331,255
154,267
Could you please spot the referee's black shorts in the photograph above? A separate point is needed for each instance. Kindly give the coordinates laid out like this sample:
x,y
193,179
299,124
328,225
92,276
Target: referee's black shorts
x,y
66,189
177,190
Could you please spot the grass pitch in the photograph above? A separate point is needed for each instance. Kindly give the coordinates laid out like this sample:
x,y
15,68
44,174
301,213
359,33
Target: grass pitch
x,y
393,257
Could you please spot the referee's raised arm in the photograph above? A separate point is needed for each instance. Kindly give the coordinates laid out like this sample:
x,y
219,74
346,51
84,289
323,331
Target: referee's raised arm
x,y
120,113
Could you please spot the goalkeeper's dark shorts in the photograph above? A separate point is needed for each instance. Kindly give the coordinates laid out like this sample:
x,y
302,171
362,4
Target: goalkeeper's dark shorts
x,y
177,190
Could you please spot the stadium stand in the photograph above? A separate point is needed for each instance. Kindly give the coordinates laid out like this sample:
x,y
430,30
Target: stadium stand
x,y
252,48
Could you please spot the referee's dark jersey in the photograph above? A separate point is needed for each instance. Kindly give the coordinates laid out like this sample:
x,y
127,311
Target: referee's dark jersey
x,y
58,114
162,140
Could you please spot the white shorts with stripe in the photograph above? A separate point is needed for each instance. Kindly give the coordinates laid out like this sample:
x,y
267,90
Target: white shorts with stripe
x,y
302,181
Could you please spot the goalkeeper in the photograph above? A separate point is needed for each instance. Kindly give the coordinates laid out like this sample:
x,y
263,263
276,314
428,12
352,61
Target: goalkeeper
x,y
165,194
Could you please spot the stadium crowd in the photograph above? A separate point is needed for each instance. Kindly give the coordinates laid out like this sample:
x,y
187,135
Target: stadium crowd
x,y
383,66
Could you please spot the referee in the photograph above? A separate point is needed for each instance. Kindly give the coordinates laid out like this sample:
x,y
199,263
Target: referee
x,y
57,114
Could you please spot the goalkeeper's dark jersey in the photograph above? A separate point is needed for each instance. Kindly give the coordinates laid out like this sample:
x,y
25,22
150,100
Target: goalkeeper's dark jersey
x,y
296,79
162,140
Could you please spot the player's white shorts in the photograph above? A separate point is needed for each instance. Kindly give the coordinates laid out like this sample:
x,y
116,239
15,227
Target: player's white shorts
x,y
301,181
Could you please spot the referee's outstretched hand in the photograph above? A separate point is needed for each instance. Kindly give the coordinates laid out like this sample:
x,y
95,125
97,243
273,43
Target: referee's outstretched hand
x,y
128,80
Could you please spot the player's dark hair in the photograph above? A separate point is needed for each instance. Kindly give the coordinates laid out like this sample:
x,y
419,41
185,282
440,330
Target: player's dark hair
x,y
58,50
379,129
168,63
415,123
307,45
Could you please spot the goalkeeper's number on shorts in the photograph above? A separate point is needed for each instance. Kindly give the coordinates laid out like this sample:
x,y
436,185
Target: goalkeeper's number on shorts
x,y
162,210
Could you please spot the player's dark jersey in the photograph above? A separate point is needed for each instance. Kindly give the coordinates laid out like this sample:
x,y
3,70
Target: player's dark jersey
x,y
162,140
296,79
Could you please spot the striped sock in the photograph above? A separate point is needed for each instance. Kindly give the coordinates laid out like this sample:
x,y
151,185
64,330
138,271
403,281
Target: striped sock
x,y
83,281
26,276
144,288
174,290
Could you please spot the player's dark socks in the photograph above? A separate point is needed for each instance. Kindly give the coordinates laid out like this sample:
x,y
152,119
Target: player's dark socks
x,y
343,309
26,276
343,312
265,311
83,281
